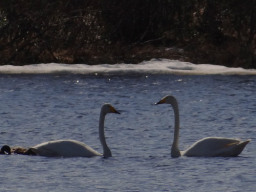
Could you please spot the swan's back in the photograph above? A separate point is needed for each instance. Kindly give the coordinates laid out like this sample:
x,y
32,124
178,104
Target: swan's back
x,y
216,146
64,148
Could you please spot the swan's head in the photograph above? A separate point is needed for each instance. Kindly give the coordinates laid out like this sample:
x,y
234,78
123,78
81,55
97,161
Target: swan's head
x,y
107,108
5,150
169,99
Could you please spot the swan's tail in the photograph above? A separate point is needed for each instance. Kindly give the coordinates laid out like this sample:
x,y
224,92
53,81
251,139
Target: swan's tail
x,y
233,149
31,151
240,147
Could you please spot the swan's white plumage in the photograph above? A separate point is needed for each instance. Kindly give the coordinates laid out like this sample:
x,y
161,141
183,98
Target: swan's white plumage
x,y
206,147
64,148
215,147
73,148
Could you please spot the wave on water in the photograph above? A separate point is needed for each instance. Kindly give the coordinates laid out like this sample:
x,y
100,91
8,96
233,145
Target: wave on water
x,y
163,66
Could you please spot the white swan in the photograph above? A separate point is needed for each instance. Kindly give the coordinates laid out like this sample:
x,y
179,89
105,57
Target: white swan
x,y
206,147
73,148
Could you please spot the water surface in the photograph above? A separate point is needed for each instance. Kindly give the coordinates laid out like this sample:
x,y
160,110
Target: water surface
x,y
42,107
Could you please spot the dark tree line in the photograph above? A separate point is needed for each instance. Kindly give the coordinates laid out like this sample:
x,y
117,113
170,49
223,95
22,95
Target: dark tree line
x,y
89,31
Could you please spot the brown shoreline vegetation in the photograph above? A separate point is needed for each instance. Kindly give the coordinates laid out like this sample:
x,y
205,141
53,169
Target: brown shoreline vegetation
x,y
98,32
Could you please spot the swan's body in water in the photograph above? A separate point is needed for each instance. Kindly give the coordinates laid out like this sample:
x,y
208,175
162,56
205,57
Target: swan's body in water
x,y
206,147
73,148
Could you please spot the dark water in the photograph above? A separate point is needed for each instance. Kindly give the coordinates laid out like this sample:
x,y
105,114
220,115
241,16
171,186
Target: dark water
x,y
38,108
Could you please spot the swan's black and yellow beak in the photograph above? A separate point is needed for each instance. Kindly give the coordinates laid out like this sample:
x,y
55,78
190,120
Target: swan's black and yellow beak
x,y
161,101
113,110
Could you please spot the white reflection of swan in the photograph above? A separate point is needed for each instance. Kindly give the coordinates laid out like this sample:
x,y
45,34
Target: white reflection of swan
x,y
73,148
206,147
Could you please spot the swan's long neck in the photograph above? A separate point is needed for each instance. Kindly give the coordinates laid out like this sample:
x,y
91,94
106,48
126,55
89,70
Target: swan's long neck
x,y
175,152
106,150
